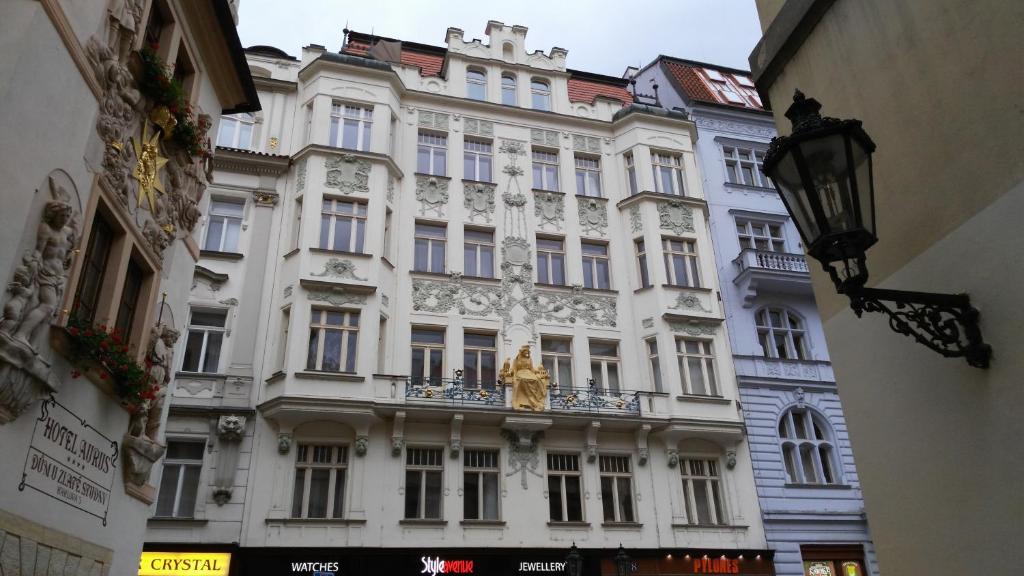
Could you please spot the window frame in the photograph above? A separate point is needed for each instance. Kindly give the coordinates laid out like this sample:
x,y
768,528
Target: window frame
x,y
712,478
672,163
331,217
640,246
757,231
428,350
592,266
553,361
540,88
544,163
423,469
429,243
616,488
690,261
588,171
480,472
797,348
342,115
348,354
480,83
479,352
632,184
708,364
183,464
227,221
238,122
332,509
791,448
548,265
605,362
507,89
736,167
563,492
485,149
480,247
654,361
204,348
435,146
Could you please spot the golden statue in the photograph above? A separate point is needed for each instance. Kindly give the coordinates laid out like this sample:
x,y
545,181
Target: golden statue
x,y
529,383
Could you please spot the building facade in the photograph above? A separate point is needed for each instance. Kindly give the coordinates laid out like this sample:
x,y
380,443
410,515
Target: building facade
x,y
807,483
107,104
456,311
943,111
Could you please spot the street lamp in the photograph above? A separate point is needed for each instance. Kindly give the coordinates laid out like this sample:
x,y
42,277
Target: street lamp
x,y
574,561
823,173
623,563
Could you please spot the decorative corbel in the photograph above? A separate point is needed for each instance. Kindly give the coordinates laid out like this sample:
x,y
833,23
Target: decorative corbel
x,y
455,446
398,433
673,457
230,431
730,458
362,444
591,446
799,393
284,442
641,444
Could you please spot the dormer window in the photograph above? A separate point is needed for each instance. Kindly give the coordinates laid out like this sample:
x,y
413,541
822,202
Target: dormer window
x,y
508,89
476,85
541,93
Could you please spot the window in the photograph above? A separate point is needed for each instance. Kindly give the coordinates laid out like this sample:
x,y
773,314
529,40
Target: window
x,y
781,334
133,279
595,265
354,123
432,154
806,441
333,335
604,365
387,234
308,128
479,360
480,484
541,95
702,491
478,252
282,344
668,174
697,366
297,223
556,356
236,131
641,257
720,83
476,160
476,85
681,262
588,176
205,336
545,170
634,186
427,354
342,225
423,468
179,483
224,226
760,235
508,89
382,335
616,488
93,269
430,246
319,481
565,491
652,356
743,166
550,261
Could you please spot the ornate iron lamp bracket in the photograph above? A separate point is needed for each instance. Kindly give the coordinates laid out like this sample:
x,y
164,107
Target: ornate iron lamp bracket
x,y
946,323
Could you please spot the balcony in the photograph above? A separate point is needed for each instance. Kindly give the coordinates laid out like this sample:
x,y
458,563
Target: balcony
x,y
455,392
770,272
593,400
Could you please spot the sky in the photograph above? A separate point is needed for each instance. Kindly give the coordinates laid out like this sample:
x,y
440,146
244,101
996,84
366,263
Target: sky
x,y
602,36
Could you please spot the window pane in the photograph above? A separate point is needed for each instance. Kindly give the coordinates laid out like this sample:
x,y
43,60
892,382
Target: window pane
x,y
423,160
300,486
485,169
245,135
700,495
366,136
433,503
555,497
339,494
212,361
487,262
319,486
696,376
603,275
826,464
350,352
807,460
439,163
471,497
417,362
573,499
332,351
625,500
613,377
436,364
168,489
607,498
469,166
551,177
412,493
325,231
717,499
215,319
343,234
193,349
350,135
789,455
437,256
557,269
420,256
490,496
469,259
313,347
214,233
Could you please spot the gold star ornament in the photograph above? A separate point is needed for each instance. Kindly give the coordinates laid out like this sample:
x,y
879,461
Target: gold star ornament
x,y
147,168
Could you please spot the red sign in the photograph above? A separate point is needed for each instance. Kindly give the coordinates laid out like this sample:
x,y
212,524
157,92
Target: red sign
x,y
716,566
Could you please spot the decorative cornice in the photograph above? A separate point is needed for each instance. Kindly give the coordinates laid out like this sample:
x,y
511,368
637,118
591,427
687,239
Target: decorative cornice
x,y
335,151
250,162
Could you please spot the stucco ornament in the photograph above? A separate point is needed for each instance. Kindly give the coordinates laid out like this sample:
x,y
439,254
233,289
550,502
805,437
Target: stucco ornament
x,y
117,113
636,223
673,457
362,444
692,328
576,306
140,453
431,193
337,297
523,456
33,296
593,216
284,443
441,297
348,173
675,216
689,301
340,268
479,201
529,383
300,176
146,421
231,428
148,162
549,208
586,143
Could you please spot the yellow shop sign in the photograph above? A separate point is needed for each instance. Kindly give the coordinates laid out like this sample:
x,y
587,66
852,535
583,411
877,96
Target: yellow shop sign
x,y
184,564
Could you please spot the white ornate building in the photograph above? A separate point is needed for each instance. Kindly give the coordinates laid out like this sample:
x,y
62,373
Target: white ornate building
x,y
804,469
106,104
387,232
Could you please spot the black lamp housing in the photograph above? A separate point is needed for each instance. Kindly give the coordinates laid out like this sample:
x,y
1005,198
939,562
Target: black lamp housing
x,y
623,563
823,173
574,561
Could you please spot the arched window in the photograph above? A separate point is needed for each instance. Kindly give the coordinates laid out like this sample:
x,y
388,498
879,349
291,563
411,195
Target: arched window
x,y
541,95
807,447
782,334
476,84
508,89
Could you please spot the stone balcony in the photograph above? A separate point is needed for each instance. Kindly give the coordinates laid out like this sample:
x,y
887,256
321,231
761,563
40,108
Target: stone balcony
x,y
761,271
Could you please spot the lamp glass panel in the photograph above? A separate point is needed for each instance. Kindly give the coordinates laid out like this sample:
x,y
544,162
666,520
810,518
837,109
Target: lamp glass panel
x,y
830,177
865,185
787,180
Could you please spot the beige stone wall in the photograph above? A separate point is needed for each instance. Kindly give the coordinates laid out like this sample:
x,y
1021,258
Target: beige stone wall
x,y
28,548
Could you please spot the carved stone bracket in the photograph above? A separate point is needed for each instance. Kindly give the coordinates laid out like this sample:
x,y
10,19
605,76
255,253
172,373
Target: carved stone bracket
x,y
730,458
479,200
230,432
362,444
641,444
348,173
549,208
140,453
398,433
284,443
455,442
593,216
673,457
432,194
675,216
591,446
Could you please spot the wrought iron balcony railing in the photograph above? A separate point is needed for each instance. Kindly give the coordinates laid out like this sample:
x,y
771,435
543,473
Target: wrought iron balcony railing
x,y
455,391
594,399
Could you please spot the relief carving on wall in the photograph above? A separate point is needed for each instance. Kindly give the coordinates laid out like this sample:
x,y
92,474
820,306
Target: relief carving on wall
x,y
340,268
593,216
576,306
689,301
544,137
549,208
675,216
583,143
636,223
479,127
479,201
300,176
348,173
34,295
441,297
432,194
692,328
435,120
337,297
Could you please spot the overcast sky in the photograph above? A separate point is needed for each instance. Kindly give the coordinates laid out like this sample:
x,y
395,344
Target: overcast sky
x,y
602,36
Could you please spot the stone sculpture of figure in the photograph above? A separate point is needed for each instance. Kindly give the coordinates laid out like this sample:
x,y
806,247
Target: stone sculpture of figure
x,y
48,265
529,383
125,19
146,421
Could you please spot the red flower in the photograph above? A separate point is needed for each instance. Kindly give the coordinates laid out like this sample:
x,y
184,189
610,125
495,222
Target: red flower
x,y
73,331
75,373
103,375
116,338
103,327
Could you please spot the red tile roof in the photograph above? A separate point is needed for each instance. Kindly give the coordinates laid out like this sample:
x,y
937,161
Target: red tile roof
x,y
694,81
587,91
429,64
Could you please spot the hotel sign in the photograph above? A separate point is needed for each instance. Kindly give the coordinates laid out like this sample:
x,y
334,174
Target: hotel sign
x,y
70,461
184,564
